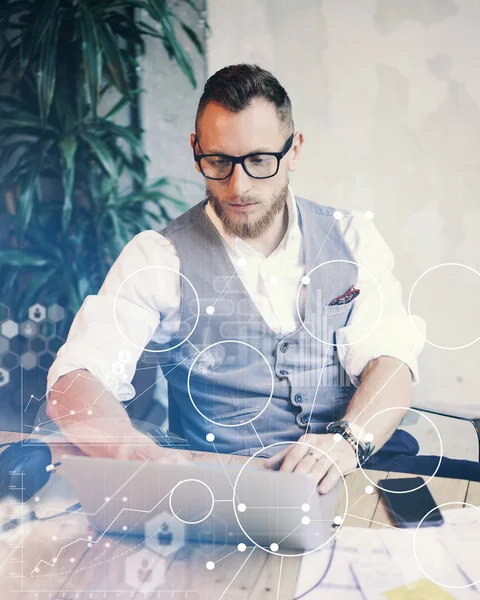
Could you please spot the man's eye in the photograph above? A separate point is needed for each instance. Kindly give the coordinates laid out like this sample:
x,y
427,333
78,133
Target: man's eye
x,y
257,160
220,162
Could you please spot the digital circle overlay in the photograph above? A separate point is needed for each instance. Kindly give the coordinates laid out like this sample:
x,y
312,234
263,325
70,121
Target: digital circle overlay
x,y
403,408
457,587
300,508
458,296
198,358
306,280
176,515
184,279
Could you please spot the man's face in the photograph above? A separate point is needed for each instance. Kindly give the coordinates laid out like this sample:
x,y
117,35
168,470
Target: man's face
x,y
246,206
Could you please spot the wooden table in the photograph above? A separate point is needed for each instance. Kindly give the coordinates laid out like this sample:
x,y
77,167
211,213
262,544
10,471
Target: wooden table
x,y
85,569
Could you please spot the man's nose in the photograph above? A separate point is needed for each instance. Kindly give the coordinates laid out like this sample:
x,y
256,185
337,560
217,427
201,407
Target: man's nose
x,y
239,182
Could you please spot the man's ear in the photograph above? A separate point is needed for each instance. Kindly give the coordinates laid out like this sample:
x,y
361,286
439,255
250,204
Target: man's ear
x,y
192,145
296,150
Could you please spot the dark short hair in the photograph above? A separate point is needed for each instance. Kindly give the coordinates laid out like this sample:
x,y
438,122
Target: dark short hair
x,y
234,87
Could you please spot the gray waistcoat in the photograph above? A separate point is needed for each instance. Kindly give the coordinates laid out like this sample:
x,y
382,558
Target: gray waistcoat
x,y
235,377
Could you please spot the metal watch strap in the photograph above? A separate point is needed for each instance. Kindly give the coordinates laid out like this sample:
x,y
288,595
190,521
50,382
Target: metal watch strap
x,y
362,449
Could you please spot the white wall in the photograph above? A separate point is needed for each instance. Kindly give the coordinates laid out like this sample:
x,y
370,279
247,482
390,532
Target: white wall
x,y
386,93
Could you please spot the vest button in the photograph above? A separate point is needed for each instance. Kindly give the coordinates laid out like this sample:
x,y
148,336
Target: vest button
x,y
283,372
284,347
299,398
304,419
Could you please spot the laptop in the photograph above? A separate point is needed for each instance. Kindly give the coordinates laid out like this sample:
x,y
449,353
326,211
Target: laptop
x,y
203,502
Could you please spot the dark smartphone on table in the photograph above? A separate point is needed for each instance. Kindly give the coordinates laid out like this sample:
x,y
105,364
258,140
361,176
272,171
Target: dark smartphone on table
x,y
407,509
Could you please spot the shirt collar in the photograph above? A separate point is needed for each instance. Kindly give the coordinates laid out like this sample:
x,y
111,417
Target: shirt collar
x,y
241,247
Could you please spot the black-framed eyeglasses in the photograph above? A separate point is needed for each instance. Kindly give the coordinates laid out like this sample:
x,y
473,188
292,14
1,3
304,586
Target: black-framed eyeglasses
x,y
260,165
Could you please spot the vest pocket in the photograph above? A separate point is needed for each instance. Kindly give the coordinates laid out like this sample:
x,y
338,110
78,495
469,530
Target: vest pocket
x,y
239,415
335,317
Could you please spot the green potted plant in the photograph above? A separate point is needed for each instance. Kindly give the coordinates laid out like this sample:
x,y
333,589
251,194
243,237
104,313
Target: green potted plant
x,y
73,181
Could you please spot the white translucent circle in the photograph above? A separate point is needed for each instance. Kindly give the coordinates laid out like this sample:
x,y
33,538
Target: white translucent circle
x,y
124,528
299,312
36,428
241,262
337,437
36,570
241,507
176,515
274,547
402,408
210,565
272,383
305,280
241,547
305,520
337,215
72,560
304,506
210,437
107,544
473,583
124,499
458,292
89,412
369,489
54,537
72,412
54,402
274,280
369,437
369,214
89,545
210,310
107,498
338,520
37,499
89,538
143,349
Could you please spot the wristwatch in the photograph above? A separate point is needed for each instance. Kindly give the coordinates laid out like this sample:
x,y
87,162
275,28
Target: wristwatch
x,y
354,435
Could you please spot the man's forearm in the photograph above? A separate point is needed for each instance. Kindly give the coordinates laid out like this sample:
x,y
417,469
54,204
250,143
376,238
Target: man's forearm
x,y
89,416
386,382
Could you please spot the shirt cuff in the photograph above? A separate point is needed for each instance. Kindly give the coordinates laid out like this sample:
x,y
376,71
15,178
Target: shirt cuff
x,y
399,338
122,390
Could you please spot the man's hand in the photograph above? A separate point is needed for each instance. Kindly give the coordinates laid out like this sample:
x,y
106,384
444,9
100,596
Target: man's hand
x,y
300,458
144,448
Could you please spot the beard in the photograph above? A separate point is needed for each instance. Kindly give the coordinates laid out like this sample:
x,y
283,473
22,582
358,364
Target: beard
x,y
242,225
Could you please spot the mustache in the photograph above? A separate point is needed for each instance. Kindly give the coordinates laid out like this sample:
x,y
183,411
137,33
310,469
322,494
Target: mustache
x,y
241,201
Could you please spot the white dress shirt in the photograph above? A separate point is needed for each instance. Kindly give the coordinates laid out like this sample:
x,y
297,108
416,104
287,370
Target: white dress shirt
x,y
139,301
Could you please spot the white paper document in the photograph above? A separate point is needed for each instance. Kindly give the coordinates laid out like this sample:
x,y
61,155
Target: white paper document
x,y
433,563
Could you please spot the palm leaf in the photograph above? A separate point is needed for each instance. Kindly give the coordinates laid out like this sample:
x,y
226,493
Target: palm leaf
x,y
44,18
68,146
22,258
113,58
103,154
193,37
26,200
47,69
92,57
159,11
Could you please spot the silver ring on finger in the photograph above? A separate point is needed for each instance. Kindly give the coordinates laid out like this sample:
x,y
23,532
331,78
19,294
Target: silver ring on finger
x,y
312,454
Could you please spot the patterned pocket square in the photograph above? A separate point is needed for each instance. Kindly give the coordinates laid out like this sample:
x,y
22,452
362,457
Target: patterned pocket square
x,y
345,298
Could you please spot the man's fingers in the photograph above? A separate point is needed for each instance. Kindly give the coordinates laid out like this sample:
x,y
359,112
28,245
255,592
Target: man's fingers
x,y
329,480
276,459
293,457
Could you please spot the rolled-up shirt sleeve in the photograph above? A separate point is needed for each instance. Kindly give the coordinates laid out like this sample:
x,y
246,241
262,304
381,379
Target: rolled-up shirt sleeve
x,y
379,324
112,328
